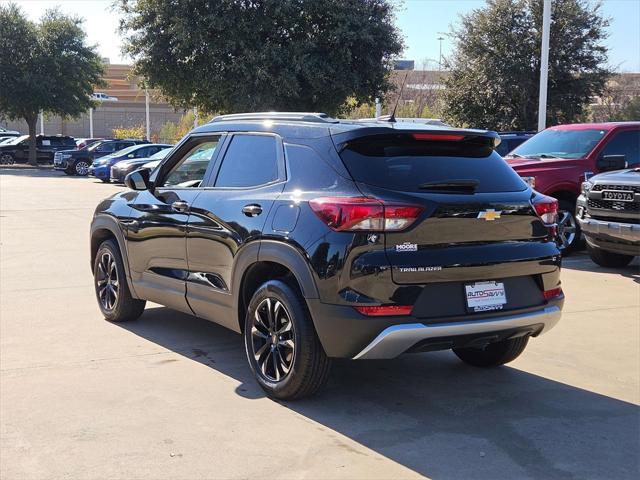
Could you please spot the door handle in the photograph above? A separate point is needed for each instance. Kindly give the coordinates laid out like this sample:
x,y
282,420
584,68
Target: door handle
x,y
180,206
252,210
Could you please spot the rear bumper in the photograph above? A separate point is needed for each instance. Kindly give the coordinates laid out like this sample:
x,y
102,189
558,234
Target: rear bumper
x,y
345,333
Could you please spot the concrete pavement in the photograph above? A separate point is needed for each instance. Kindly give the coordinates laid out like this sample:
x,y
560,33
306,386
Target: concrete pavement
x,y
170,396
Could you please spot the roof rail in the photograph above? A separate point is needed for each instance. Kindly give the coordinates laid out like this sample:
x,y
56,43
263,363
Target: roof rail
x,y
282,116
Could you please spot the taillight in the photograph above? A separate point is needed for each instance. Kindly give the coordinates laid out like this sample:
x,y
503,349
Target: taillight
x,y
547,209
553,293
384,310
362,213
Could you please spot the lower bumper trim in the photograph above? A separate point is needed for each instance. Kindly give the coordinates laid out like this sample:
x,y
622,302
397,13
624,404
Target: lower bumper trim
x,y
397,339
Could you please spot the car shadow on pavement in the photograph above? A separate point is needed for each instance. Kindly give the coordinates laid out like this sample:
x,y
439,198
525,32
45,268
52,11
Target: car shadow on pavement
x,y
28,171
583,263
435,415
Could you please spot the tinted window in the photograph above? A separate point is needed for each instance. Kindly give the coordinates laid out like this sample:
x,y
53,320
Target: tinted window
x,y
404,165
627,144
190,170
106,147
560,144
251,160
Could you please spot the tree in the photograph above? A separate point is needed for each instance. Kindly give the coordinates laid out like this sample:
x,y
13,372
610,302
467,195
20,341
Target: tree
x,y
495,71
235,55
44,67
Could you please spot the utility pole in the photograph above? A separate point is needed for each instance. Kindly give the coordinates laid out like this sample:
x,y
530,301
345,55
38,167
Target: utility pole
x,y
544,65
41,123
378,108
91,123
440,39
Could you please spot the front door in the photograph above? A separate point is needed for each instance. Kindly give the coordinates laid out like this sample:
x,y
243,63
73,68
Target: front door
x,y
227,216
156,240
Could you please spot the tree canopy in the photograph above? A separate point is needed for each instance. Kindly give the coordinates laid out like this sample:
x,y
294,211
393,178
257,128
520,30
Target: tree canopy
x,y
45,66
495,70
237,55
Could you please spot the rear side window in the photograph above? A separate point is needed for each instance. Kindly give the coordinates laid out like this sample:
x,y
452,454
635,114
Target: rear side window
x,y
250,161
404,164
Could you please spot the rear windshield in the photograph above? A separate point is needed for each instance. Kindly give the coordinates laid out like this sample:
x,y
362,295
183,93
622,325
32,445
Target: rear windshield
x,y
406,165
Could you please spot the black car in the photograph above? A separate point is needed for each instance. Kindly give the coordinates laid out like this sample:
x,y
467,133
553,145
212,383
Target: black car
x,y
17,150
608,211
320,238
77,162
510,140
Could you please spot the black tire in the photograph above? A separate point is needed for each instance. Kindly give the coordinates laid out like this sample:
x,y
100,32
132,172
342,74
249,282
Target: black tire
x,y
608,259
494,354
569,232
308,365
119,306
68,171
105,180
7,159
81,168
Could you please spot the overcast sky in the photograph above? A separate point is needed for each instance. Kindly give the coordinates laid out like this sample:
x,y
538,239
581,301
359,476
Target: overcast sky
x,y
420,21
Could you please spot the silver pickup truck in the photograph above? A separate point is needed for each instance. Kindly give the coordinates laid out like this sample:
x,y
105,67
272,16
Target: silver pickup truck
x,y
608,211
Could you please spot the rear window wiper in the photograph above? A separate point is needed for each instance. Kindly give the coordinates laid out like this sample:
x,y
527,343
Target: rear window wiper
x,y
469,186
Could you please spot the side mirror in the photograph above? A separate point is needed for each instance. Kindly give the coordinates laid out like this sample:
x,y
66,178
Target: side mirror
x,y
608,163
138,179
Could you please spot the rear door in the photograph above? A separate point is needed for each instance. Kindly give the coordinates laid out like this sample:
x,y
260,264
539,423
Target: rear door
x,y
227,216
476,218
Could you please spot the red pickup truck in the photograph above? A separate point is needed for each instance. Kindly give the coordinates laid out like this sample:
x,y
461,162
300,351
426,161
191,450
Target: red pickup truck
x,y
557,160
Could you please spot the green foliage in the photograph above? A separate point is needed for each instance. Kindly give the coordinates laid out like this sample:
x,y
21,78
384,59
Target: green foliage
x,y
236,55
494,81
137,132
45,66
630,111
172,132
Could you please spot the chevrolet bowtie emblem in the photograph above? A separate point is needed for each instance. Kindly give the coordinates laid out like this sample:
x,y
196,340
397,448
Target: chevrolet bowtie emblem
x,y
489,215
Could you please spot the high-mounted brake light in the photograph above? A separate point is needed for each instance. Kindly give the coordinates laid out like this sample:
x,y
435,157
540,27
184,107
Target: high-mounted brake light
x,y
384,310
438,137
362,213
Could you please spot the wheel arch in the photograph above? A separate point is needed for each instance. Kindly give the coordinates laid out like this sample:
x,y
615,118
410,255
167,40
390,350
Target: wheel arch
x,y
275,260
105,227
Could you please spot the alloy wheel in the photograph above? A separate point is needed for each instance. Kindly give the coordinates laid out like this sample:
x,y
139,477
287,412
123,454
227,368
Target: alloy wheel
x,y
82,168
6,159
273,339
567,229
107,281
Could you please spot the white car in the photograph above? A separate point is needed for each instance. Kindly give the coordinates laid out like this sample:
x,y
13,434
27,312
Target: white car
x,y
103,97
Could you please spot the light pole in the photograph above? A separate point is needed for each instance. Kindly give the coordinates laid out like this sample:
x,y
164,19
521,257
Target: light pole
x,y
544,65
440,39
91,123
146,111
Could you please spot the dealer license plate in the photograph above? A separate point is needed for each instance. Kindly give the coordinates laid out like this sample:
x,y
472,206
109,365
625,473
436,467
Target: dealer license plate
x,y
484,296
617,196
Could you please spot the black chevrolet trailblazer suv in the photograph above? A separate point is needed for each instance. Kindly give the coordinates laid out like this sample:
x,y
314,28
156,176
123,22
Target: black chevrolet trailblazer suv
x,y
319,238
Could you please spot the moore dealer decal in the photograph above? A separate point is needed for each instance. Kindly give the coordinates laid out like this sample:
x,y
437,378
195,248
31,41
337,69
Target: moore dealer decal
x,y
407,247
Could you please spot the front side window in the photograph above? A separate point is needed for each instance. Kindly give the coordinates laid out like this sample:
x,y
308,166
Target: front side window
x,y
627,144
250,161
190,170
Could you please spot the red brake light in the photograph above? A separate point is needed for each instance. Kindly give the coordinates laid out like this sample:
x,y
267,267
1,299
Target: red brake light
x,y
553,293
442,137
547,209
385,310
362,213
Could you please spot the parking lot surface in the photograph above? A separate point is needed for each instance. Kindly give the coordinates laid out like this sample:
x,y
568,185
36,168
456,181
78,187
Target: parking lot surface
x,y
171,397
